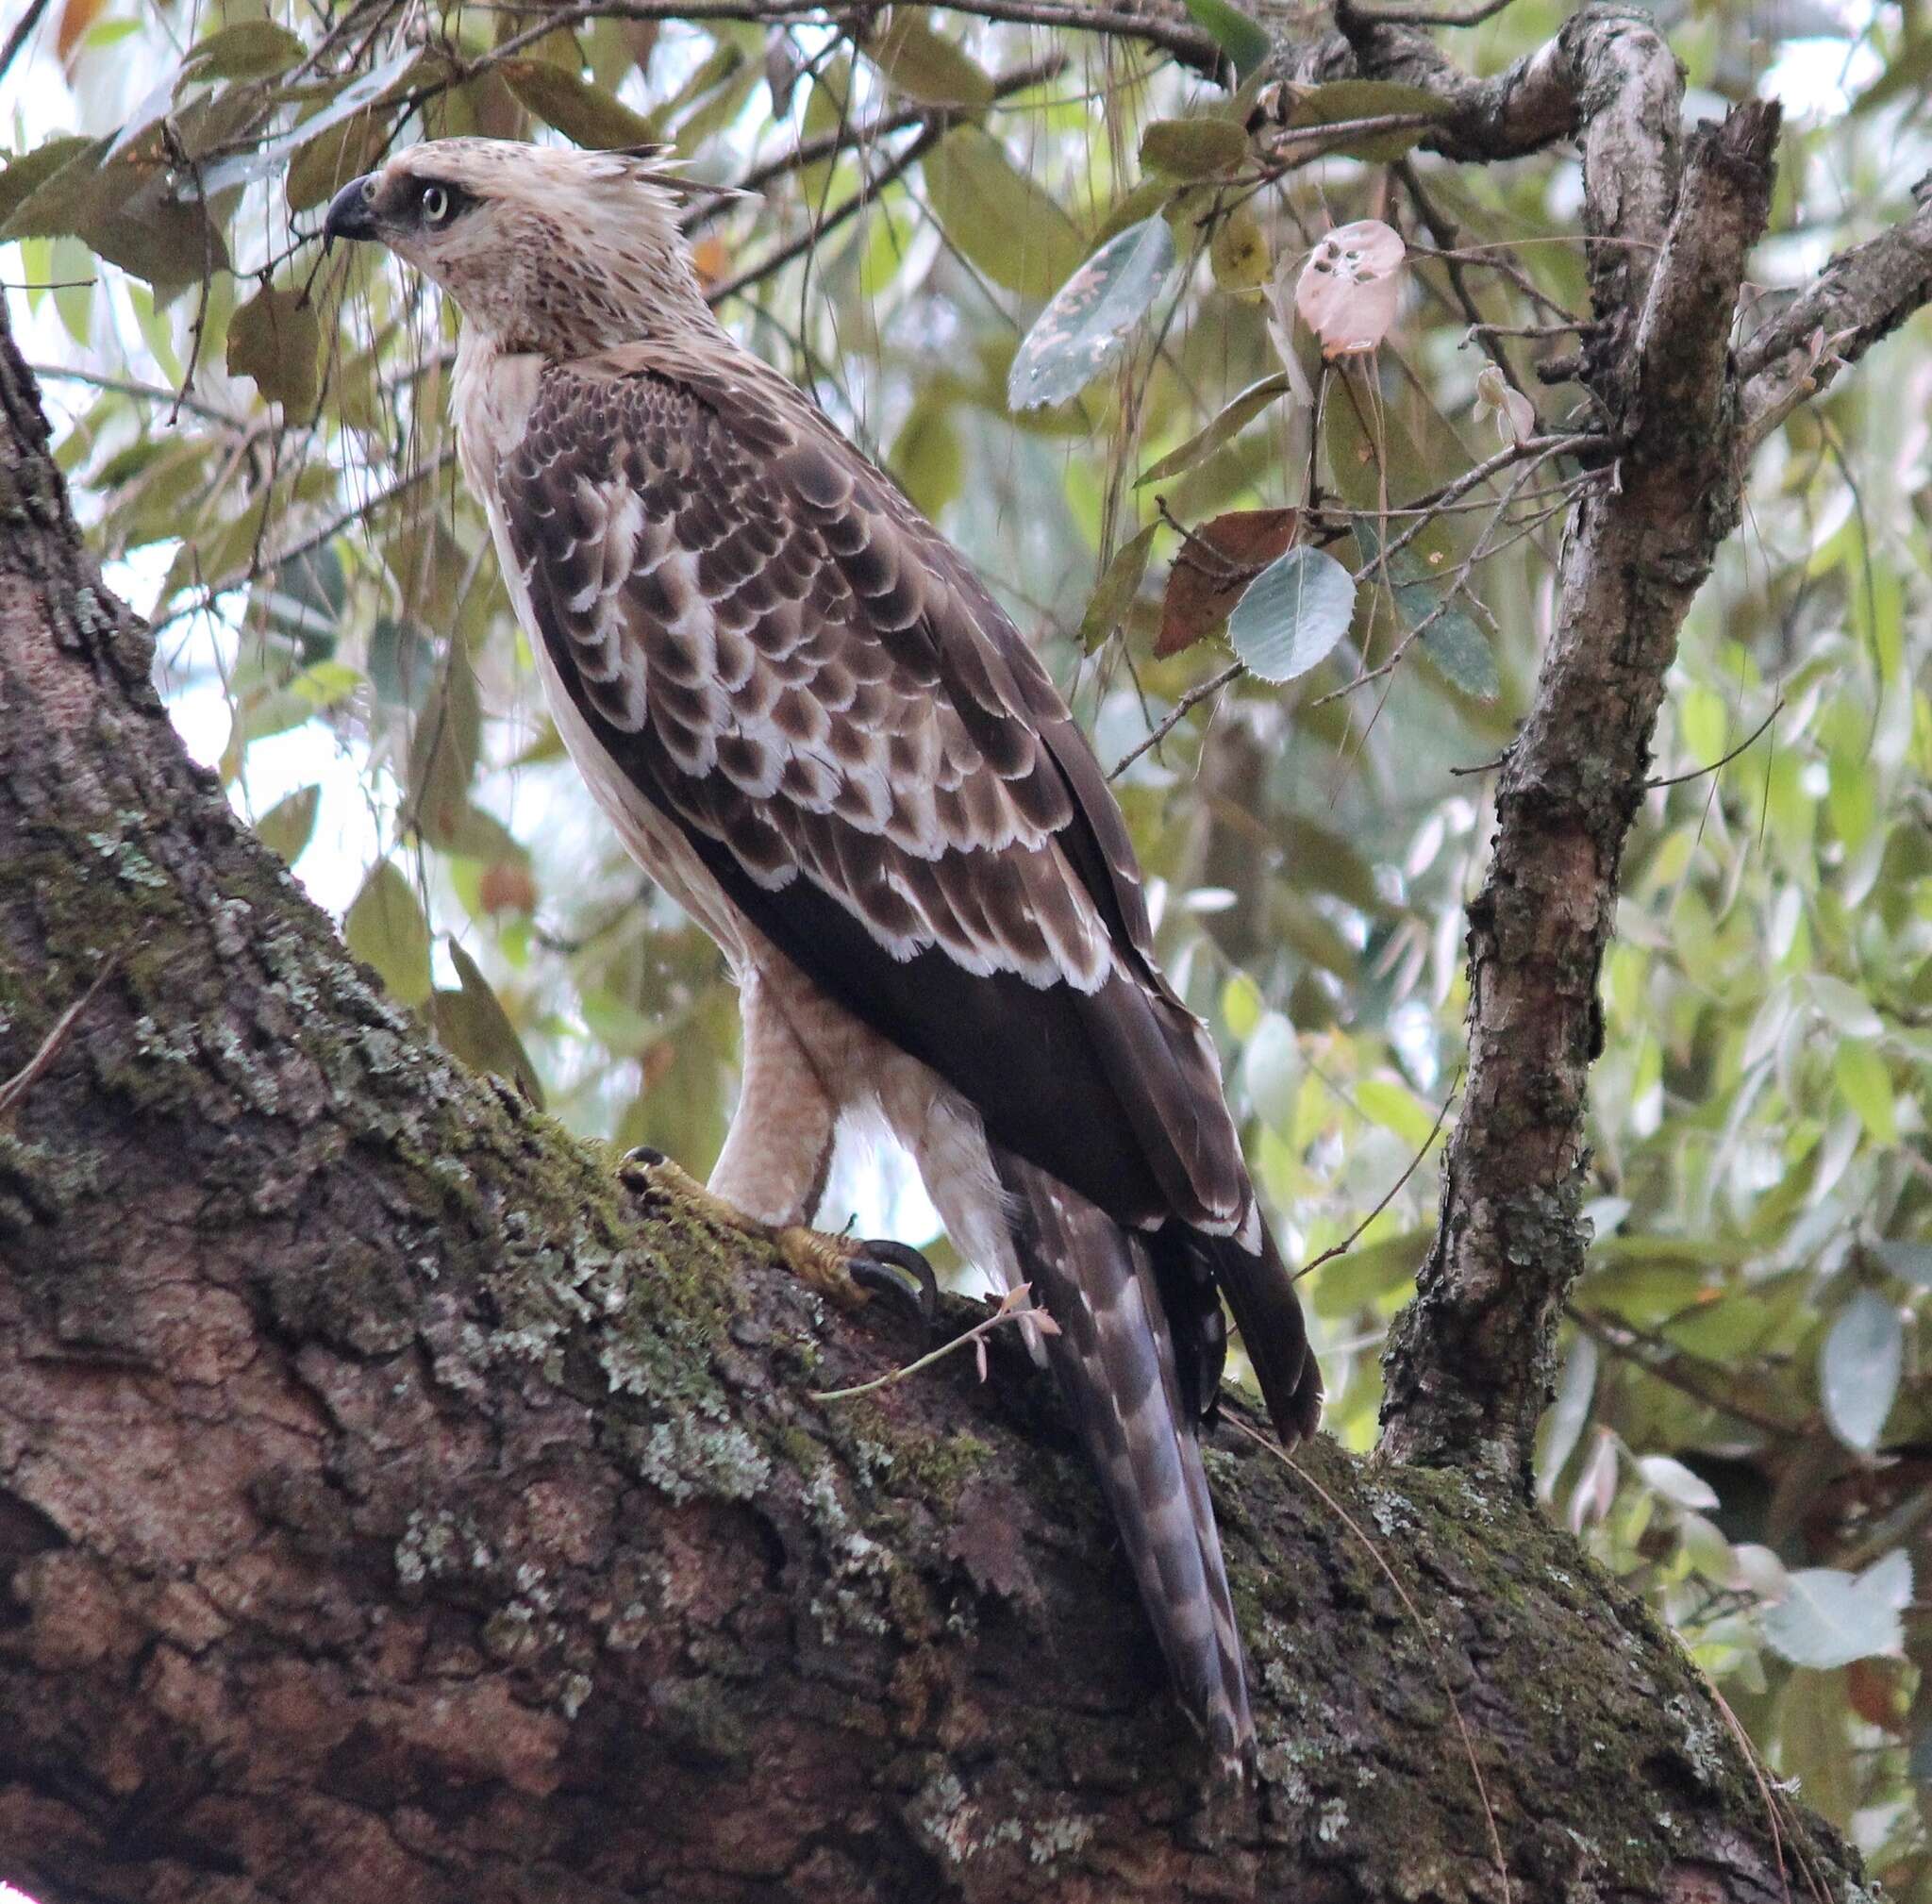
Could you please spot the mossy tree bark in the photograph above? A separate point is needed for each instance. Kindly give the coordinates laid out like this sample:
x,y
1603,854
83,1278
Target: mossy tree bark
x,y
389,1510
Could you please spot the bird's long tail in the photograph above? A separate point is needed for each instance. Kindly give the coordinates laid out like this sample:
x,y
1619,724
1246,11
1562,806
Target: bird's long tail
x,y
1114,1359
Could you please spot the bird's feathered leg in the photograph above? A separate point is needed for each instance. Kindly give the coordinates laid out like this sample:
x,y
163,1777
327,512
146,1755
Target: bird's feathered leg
x,y
1115,1361
771,1173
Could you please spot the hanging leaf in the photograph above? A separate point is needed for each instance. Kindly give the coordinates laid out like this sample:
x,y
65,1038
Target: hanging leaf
x,y
264,158
25,175
1238,253
1114,594
1349,290
1514,413
1865,1085
999,218
1293,615
926,66
1081,331
1911,1260
1828,1618
1214,569
1858,1369
1450,638
276,339
1234,417
473,1023
1192,148
250,49
1342,100
1245,42
442,754
290,823
385,928
582,112
1677,1483
927,455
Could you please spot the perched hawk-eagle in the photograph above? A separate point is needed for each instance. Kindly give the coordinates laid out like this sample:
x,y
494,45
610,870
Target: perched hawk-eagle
x,y
815,726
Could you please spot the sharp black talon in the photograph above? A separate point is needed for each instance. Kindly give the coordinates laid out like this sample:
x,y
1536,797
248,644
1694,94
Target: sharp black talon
x,y
899,1271
645,1155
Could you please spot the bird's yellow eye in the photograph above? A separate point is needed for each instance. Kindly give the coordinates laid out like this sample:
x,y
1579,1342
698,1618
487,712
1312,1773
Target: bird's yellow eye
x,y
435,205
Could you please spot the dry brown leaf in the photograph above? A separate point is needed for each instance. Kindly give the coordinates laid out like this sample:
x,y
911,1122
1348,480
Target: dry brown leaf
x,y
1214,570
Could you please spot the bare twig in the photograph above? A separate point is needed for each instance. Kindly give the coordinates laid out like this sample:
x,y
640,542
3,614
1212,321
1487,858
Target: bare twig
x,y
1183,707
1014,1306
1353,1236
23,31
1743,746
13,1093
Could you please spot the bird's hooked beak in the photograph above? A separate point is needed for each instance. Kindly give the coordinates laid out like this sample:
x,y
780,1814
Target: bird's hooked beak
x,y
352,211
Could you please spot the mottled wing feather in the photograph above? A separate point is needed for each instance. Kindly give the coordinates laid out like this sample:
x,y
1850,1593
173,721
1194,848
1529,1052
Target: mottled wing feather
x,y
788,661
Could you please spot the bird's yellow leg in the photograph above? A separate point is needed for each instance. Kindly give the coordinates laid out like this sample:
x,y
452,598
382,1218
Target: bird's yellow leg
x,y
845,1270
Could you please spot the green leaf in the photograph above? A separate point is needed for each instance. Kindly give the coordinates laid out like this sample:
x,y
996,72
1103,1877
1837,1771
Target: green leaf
x,y
1113,595
473,1023
1858,1369
1865,1085
927,455
1910,1261
580,111
1083,330
443,753
1001,221
1192,148
25,175
1293,615
1345,99
1395,1107
1829,1618
1272,1070
250,49
926,66
1235,417
1245,43
1451,641
1844,1006
1676,1482
290,823
275,338
1238,253
264,158
385,928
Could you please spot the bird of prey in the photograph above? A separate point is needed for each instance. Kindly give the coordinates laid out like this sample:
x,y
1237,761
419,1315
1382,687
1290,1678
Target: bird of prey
x,y
815,726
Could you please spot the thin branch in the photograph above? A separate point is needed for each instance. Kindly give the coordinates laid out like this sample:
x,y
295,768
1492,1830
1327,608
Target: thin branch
x,y
1664,1359
1422,16
1014,1306
856,138
1349,1242
1180,710
13,1092
23,31
1188,44
145,393
1717,766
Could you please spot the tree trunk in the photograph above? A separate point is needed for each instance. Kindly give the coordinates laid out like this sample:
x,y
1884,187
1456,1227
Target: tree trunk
x,y
390,1512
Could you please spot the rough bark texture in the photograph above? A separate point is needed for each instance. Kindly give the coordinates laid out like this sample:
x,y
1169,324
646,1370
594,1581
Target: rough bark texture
x,y
388,1512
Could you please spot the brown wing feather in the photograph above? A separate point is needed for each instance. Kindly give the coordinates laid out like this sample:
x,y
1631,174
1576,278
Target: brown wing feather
x,y
794,665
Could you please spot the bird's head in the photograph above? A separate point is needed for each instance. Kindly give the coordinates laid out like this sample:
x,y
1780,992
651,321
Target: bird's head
x,y
543,249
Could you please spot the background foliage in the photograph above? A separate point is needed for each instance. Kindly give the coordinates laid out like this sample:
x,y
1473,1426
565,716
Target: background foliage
x,y
1743,1429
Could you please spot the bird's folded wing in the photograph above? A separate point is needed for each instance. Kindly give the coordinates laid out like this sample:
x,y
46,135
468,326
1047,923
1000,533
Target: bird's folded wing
x,y
786,660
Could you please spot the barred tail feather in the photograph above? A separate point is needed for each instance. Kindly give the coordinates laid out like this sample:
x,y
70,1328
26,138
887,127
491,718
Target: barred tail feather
x,y
1114,1359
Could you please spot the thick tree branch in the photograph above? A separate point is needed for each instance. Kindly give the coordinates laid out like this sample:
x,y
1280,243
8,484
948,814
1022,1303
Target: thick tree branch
x,y
1857,300
1469,1363
386,1512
